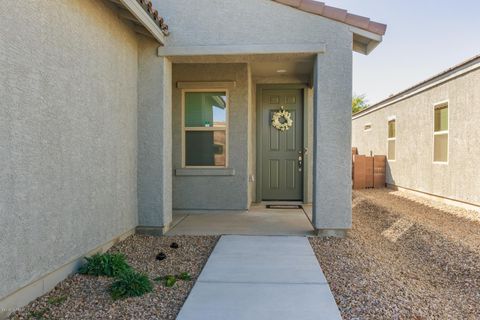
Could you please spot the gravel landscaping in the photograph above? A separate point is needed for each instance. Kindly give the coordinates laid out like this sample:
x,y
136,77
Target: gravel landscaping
x,y
405,258
87,297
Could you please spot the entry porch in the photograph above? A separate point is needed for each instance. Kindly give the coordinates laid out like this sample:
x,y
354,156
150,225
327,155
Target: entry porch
x,y
208,143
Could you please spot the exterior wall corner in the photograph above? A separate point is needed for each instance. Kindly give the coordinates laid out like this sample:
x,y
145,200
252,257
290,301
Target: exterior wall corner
x,y
154,137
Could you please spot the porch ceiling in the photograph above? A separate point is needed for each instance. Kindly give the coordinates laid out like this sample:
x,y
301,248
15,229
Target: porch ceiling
x,y
262,66
287,67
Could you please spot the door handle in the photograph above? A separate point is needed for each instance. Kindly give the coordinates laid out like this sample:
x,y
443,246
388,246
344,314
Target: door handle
x,y
300,163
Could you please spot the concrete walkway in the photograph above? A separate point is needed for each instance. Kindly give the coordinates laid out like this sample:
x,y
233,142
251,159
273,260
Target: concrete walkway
x,y
261,277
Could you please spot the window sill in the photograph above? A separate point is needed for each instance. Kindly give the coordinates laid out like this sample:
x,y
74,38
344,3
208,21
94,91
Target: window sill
x,y
205,172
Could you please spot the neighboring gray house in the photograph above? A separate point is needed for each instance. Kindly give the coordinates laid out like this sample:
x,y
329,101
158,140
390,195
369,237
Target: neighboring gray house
x,y
429,133
110,120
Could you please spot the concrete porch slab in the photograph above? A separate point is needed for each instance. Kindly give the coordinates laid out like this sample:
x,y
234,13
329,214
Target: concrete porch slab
x,y
257,221
308,209
255,277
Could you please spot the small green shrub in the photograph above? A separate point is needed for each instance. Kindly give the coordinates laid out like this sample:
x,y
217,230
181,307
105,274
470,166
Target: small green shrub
x,y
38,315
57,300
170,281
185,276
130,284
107,264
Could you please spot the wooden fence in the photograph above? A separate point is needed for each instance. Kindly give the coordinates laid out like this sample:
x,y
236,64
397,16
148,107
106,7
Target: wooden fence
x,y
368,172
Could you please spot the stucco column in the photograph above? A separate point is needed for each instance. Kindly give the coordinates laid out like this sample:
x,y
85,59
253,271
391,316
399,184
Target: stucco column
x,y
332,192
154,140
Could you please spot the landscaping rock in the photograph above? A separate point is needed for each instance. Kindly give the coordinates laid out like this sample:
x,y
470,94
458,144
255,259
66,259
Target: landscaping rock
x,y
87,297
161,256
405,258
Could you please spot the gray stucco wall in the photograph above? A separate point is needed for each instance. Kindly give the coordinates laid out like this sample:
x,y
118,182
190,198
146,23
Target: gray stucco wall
x,y
414,167
233,22
214,192
332,189
154,136
68,134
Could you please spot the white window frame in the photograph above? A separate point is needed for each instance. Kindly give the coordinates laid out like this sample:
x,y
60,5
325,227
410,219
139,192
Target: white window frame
x,y
185,129
389,119
438,133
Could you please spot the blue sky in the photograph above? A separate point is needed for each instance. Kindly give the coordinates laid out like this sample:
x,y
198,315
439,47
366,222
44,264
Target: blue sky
x,y
424,37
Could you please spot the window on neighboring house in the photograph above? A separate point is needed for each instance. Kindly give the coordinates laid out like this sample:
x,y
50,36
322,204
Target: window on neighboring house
x,y
440,133
392,137
205,128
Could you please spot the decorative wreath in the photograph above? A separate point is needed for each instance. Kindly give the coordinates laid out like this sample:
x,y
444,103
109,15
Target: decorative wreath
x,y
277,118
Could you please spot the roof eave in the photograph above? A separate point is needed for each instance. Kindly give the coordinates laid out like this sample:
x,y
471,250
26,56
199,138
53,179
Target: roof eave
x,y
365,42
139,15
336,14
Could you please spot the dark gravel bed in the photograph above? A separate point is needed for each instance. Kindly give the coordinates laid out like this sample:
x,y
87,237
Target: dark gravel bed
x,y
87,297
402,260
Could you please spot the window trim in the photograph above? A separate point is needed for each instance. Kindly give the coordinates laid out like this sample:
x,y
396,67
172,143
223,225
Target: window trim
x,y
443,132
390,119
226,129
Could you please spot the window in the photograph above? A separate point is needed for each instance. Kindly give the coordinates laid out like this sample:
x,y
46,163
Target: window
x,y
440,133
205,128
392,137
367,127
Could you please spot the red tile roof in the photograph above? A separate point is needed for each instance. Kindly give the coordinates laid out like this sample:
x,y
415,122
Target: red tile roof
x,y
341,15
153,13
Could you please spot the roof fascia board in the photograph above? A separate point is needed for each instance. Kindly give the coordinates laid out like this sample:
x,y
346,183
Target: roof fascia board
x,y
417,90
241,49
136,9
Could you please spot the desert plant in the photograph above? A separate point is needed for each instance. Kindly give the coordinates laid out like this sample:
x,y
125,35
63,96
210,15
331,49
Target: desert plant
x,y
170,281
130,284
57,300
38,314
185,276
107,264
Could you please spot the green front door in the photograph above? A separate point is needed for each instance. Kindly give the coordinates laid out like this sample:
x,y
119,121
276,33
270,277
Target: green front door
x,y
282,151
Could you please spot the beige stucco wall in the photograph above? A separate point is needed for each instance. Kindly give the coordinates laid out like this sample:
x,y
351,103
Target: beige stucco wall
x,y
68,134
414,167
